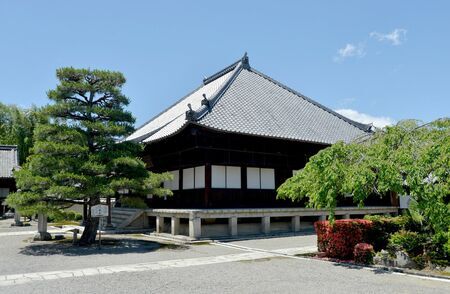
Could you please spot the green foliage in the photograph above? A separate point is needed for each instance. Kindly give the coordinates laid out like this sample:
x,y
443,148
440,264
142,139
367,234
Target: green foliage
x,y
62,215
383,227
409,159
133,202
79,152
411,242
16,128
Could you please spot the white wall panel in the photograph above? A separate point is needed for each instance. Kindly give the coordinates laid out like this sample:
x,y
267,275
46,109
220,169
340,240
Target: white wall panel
x,y
267,178
188,178
200,177
233,177
253,179
176,179
218,176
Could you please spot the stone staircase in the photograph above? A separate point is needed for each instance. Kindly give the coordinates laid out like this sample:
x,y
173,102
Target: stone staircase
x,y
127,218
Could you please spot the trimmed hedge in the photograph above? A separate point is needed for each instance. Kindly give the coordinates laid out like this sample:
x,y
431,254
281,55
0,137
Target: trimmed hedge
x,y
363,253
384,226
61,215
133,202
338,240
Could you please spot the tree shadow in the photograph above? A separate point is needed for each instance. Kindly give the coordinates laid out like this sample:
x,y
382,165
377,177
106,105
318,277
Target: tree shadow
x,y
109,246
355,266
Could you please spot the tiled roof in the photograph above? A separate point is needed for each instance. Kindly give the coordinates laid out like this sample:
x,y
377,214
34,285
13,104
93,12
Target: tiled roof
x,y
8,160
240,99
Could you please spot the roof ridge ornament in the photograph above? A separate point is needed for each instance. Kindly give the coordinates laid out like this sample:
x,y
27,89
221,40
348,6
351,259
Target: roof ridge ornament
x,y
205,101
190,114
245,62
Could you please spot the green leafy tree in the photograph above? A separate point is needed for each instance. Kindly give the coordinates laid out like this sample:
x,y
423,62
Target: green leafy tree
x,y
78,156
409,159
16,128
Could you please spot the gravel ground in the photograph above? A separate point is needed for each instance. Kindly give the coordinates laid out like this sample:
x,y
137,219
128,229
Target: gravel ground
x,y
5,226
268,275
305,240
20,255
276,275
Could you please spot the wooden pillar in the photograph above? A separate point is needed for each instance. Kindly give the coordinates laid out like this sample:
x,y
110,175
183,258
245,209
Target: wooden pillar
x,y
323,218
347,216
207,185
395,201
108,220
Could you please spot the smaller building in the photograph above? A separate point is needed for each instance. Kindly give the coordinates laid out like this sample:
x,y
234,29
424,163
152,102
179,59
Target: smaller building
x,y
9,161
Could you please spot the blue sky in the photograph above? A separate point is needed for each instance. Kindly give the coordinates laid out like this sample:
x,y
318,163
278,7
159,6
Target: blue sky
x,y
388,60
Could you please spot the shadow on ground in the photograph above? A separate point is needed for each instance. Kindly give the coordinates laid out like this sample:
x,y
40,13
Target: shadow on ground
x,y
359,267
275,235
109,246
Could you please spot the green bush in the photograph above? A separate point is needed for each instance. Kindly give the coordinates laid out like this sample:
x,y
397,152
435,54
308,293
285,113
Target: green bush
x,y
61,215
436,250
78,216
412,242
382,228
70,215
133,202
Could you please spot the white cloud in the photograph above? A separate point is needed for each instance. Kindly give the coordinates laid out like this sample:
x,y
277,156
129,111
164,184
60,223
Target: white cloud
x,y
377,121
350,50
396,37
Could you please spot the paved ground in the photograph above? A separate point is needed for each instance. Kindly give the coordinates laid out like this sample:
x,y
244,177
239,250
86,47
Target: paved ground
x,y
135,265
5,226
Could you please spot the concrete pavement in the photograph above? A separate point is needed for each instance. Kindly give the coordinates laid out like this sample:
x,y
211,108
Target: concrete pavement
x,y
138,264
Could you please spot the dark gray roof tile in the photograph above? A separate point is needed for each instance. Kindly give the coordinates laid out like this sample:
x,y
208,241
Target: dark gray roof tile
x,y
243,100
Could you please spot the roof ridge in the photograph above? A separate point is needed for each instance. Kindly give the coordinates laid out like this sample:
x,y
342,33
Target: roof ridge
x,y
243,59
361,126
208,104
205,82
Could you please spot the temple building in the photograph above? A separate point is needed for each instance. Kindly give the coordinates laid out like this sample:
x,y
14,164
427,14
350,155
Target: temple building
x,y
9,161
231,142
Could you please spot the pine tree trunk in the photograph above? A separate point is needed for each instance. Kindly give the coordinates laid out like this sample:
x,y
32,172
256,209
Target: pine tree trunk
x,y
90,232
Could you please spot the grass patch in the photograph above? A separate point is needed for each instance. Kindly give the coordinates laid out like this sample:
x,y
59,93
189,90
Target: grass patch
x,y
64,223
200,243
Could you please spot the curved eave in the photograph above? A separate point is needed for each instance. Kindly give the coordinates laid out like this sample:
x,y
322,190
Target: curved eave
x,y
240,133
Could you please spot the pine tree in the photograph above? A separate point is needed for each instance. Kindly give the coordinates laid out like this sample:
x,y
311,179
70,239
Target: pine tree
x,y
78,156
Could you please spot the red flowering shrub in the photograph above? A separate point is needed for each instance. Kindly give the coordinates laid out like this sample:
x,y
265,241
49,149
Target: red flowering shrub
x,y
363,253
338,240
322,229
